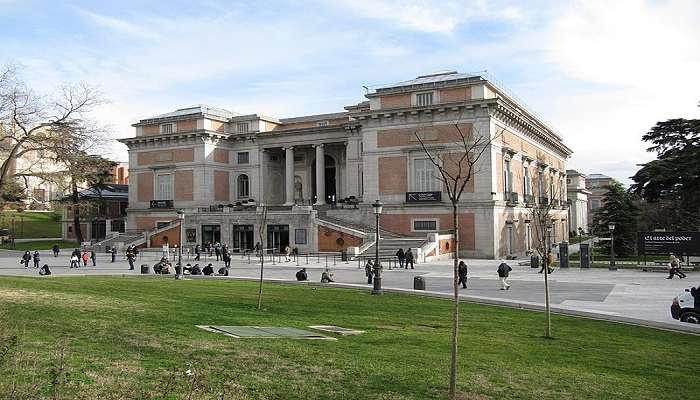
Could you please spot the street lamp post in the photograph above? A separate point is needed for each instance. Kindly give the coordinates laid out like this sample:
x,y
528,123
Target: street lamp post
x,y
611,228
181,217
377,288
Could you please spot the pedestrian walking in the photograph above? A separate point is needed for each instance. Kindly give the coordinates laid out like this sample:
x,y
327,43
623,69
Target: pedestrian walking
x,y
287,253
55,249
217,250
74,261
26,258
401,256
674,268
257,248
503,272
227,257
197,252
85,257
36,257
462,271
550,260
130,258
369,271
93,257
113,250
409,258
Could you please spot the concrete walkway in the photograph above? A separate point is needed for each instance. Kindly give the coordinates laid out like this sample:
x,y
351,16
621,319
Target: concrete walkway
x,y
629,296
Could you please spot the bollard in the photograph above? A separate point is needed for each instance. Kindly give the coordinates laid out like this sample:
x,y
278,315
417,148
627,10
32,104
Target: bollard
x,y
333,259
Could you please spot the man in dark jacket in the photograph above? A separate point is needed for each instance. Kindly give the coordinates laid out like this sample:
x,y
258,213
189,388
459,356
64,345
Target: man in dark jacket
x,y
503,272
409,258
301,275
26,258
208,270
197,252
462,272
56,249
401,256
36,257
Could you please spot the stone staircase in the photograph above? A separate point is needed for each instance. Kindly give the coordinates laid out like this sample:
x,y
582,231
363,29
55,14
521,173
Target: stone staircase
x,y
389,246
367,230
123,239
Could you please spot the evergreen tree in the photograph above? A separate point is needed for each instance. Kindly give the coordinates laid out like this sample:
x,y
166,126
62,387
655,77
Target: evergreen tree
x,y
671,183
620,207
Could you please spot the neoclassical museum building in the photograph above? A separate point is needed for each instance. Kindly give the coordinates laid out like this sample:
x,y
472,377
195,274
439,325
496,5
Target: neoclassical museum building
x,y
309,182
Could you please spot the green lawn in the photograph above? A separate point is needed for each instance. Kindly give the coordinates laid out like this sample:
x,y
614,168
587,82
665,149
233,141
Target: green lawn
x,y
29,225
40,245
124,338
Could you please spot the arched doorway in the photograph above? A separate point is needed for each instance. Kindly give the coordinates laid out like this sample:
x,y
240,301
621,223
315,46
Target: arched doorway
x,y
331,192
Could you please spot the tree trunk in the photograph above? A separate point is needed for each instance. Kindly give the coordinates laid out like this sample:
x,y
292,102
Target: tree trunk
x,y
8,162
76,213
455,311
548,331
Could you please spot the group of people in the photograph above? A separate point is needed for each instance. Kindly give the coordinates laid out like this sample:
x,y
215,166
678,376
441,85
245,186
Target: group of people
x,y
405,258
326,276
222,252
77,256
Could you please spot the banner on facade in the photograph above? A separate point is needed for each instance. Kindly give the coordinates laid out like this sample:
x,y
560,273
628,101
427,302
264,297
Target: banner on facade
x,y
419,197
161,204
687,243
191,235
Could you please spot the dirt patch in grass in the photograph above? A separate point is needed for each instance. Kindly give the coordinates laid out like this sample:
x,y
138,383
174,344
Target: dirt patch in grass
x,y
79,302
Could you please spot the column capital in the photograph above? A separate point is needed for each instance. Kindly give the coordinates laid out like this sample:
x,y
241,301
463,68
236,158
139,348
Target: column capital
x,y
317,145
288,148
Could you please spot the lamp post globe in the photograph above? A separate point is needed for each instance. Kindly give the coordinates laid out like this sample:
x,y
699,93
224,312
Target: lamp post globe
x,y
611,228
377,288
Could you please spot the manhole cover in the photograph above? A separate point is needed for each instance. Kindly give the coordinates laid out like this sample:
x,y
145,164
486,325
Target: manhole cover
x,y
337,329
264,332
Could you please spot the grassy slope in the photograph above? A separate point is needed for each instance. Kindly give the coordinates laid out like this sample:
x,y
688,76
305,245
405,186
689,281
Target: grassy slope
x,y
40,245
35,225
133,338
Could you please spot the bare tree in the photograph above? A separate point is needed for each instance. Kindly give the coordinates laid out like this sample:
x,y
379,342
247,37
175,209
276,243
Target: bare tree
x,y
262,224
541,215
456,166
31,123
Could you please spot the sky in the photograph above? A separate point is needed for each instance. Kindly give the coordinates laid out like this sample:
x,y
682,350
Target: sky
x,y
602,73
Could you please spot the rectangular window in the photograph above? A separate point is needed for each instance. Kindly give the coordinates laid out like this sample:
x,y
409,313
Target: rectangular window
x,y
162,224
595,204
425,225
527,181
322,123
507,176
551,188
164,187
424,99
242,127
300,236
425,178
166,128
243,157
540,183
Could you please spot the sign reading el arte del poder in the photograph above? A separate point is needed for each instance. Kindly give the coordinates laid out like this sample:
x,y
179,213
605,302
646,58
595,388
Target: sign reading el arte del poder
x,y
668,242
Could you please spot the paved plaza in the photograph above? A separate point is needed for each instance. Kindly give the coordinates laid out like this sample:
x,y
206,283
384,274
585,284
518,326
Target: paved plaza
x,y
625,295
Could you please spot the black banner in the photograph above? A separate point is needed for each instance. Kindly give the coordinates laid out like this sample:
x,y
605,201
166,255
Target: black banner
x,y
687,243
419,197
161,204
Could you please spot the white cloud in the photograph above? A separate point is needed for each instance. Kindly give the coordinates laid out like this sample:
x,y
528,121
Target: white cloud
x,y
429,16
117,25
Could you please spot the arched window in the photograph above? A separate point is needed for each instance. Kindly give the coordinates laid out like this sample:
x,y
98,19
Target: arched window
x,y
243,186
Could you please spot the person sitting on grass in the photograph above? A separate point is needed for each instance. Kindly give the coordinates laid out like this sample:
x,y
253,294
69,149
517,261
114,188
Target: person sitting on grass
x,y
208,270
157,267
44,270
223,271
302,275
196,270
326,277
166,269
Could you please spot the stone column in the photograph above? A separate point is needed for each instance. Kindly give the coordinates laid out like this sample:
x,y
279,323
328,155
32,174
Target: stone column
x,y
320,175
289,175
261,176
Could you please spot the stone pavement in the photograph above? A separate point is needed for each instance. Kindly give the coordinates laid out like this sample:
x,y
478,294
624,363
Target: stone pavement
x,y
596,293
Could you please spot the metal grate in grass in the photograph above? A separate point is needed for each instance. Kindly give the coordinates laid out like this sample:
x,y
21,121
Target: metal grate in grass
x,y
337,330
264,332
